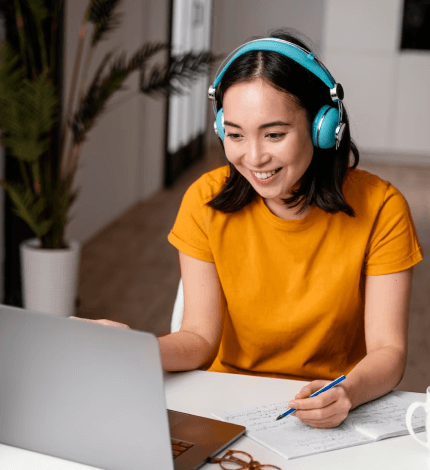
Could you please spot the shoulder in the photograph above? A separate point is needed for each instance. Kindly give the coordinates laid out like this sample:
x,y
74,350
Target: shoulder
x,y
385,220
367,190
362,179
209,185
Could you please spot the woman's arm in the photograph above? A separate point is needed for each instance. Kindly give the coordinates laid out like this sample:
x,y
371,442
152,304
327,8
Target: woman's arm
x,y
387,299
196,344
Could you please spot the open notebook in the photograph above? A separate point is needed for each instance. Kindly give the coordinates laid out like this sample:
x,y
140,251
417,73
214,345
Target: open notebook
x,y
289,437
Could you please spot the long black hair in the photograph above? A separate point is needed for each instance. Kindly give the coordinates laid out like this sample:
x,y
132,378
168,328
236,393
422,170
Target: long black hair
x,y
322,182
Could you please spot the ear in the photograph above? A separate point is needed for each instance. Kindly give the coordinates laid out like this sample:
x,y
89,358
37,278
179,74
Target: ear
x,y
220,130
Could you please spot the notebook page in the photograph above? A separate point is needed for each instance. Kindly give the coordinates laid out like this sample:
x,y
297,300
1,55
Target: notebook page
x,y
289,437
384,417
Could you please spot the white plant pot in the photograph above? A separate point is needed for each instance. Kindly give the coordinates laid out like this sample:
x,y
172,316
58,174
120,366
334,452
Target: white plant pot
x,y
49,277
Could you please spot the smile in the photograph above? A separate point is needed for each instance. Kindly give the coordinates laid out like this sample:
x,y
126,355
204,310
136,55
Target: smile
x,y
264,177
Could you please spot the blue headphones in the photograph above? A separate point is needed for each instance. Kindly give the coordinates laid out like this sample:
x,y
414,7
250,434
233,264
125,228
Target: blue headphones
x,y
327,128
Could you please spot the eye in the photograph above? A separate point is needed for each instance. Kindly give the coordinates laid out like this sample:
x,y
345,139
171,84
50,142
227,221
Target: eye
x,y
234,136
275,135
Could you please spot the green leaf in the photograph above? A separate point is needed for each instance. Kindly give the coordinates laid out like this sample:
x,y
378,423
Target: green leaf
x,y
38,9
27,207
29,117
102,88
25,150
40,13
102,13
11,78
174,77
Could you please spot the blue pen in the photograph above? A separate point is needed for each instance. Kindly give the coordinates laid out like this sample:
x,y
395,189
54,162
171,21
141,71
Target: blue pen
x,y
321,390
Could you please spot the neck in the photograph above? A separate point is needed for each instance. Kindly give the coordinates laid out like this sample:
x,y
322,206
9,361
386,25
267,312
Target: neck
x,y
280,209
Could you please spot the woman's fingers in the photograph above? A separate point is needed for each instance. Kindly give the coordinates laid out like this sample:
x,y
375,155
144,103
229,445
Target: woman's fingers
x,y
322,400
312,387
103,321
111,323
326,410
330,422
321,413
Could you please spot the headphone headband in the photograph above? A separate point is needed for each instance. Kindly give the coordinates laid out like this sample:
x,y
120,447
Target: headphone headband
x,y
288,49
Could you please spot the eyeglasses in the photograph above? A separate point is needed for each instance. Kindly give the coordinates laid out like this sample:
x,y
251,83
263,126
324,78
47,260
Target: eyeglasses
x,y
239,460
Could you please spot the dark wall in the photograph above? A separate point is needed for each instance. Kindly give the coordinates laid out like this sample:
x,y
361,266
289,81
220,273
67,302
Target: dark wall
x,y
15,230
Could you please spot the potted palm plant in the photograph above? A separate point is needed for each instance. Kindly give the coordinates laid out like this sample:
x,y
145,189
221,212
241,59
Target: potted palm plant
x,y
44,192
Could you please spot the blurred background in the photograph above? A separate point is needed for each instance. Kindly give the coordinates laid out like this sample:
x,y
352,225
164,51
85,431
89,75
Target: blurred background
x,y
144,153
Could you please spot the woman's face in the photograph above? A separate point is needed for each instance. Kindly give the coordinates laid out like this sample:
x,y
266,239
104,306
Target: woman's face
x,y
267,138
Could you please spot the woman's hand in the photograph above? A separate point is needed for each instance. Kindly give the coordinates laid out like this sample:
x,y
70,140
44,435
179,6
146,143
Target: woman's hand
x,y
326,410
103,322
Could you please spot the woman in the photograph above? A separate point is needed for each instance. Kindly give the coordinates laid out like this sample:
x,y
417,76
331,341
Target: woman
x,y
294,263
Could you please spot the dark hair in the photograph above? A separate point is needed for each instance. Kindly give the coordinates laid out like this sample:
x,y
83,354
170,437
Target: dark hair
x,y
322,182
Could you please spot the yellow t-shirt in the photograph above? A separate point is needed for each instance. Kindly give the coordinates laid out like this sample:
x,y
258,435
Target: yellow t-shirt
x,y
295,288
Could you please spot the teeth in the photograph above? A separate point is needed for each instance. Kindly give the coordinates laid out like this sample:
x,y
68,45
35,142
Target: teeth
x,y
263,176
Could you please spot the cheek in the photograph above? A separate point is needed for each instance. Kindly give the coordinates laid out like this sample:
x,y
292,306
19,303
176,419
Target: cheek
x,y
231,153
307,141
305,148
309,152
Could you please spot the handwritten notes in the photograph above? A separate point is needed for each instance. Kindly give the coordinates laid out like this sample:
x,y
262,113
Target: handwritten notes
x,y
384,418
291,438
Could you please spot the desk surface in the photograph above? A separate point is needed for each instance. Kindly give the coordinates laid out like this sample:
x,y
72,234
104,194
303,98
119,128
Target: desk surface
x,y
203,393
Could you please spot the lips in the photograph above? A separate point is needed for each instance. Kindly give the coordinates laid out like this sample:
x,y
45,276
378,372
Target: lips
x,y
264,177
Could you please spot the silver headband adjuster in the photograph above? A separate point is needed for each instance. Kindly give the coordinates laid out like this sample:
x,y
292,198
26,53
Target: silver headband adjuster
x,y
211,93
340,129
336,92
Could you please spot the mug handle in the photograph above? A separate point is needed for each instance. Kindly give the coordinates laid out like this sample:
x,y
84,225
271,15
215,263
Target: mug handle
x,y
409,414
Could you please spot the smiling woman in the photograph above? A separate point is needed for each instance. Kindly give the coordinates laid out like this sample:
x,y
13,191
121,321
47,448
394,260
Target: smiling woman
x,y
295,263
263,149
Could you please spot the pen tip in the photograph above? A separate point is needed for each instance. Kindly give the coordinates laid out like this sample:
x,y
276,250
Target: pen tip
x,y
279,417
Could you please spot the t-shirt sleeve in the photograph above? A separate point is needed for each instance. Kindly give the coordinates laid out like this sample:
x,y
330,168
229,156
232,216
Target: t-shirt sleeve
x,y
190,230
393,245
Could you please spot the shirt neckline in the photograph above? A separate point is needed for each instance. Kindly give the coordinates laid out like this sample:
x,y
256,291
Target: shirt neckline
x,y
289,224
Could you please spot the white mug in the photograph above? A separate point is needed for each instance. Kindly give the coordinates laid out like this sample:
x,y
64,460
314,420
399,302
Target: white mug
x,y
409,414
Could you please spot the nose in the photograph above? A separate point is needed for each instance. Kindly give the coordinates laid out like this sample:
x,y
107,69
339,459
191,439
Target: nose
x,y
256,155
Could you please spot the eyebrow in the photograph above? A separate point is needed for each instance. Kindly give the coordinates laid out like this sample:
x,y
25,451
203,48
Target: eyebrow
x,y
263,126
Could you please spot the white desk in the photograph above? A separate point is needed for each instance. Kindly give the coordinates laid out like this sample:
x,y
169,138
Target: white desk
x,y
202,393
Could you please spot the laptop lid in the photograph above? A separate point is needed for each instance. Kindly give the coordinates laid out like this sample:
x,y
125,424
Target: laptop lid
x,y
83,392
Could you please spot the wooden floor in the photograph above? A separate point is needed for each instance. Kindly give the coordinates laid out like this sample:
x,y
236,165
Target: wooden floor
x,y
129,272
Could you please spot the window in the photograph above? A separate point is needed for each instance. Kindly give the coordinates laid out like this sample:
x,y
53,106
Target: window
x,y
416,25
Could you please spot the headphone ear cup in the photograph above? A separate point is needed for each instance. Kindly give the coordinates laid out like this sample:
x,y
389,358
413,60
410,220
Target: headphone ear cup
x,y
324,127
220,124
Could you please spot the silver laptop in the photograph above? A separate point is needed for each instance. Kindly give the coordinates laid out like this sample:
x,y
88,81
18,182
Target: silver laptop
x,y
94,394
